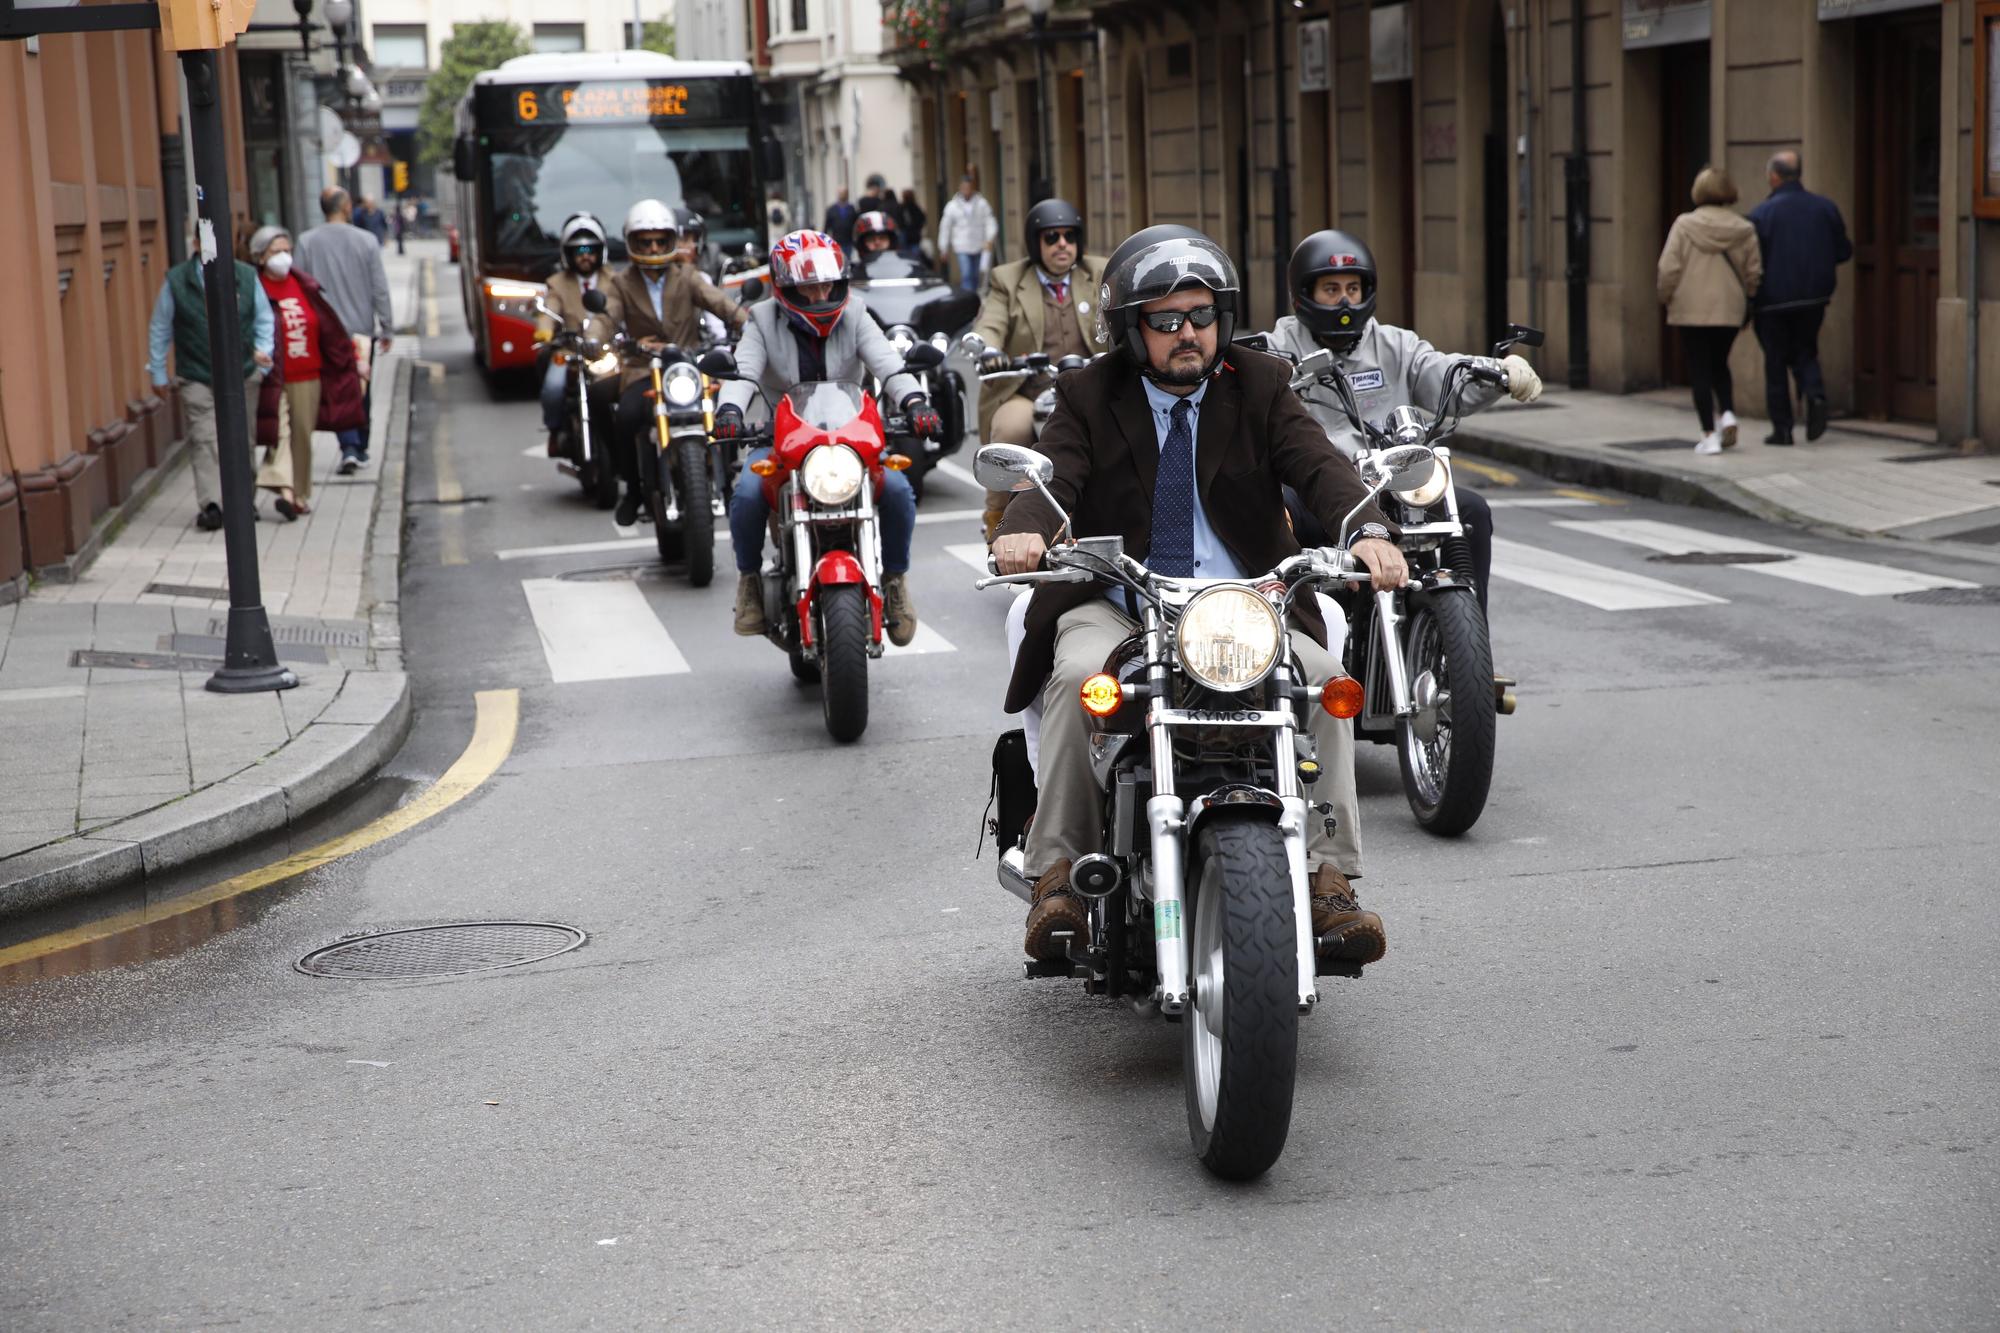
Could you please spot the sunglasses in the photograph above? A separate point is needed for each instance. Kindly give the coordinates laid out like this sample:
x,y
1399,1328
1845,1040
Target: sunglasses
x,y
1170,321
584,249
1061,236
652,244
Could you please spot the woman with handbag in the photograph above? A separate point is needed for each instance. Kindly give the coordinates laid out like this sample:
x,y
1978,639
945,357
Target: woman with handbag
x,y
316,384
1708,273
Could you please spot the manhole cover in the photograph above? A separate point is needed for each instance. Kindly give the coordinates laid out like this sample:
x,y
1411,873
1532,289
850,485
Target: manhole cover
x,y
1989,596
441,951
1720,558
652,569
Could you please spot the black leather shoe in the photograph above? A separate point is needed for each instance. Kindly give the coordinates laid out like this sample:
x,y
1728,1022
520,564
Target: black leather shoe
x,y
627,512
210,518
1778,437
1815,418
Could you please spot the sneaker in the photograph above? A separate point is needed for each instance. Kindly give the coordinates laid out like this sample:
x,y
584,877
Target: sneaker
x,y
627,512
1710,443
1725,425
1345,930
750,621
899,617
210,517
1815,418
1055,907
349,463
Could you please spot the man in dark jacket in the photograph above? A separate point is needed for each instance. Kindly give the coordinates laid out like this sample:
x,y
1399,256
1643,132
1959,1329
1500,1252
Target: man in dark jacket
x,y
1185,455
1803,241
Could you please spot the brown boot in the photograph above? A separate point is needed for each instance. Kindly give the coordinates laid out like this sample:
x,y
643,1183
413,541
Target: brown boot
x,y
1055,907
899,614
1345,930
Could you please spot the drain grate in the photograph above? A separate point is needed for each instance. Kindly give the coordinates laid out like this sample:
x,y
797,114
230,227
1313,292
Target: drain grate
x,y
441,951
207,645
1987,596
1720,558
324,636
190,589
92,657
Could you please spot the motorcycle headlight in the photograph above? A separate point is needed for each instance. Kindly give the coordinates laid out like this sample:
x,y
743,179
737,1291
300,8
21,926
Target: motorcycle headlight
x,y
832,474
1228,638
942,343
682,383
902,337
603,365
1431,491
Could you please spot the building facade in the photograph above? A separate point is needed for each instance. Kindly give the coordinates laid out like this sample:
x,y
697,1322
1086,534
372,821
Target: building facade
x,y
1442,131
841,109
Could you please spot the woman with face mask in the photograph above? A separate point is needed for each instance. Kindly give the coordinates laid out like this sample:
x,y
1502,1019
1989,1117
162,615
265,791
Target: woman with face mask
x,y
315,383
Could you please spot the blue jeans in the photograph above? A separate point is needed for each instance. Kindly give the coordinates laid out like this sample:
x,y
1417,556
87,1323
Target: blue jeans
x,y
750,515
968,271
554,381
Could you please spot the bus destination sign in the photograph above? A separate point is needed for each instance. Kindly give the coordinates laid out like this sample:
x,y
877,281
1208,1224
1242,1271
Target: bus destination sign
x,y
618,102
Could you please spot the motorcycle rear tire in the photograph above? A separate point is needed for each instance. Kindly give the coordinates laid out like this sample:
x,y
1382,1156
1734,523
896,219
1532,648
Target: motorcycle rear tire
x,y
697,517
844,621
1447,786
1240,1065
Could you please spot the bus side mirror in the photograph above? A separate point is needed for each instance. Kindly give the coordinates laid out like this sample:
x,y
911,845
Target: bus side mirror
x,y
463,164
771,158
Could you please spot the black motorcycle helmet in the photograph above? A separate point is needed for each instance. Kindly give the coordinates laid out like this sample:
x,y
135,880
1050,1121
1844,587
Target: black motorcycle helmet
x,y
1337,327
1156,262
1052,213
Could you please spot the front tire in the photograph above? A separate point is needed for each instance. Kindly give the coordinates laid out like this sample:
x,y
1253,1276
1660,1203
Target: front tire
x,y
1446,751
843,649
1242,1022
697,515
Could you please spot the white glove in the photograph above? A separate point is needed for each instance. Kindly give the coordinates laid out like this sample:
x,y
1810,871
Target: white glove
x,y
1523,384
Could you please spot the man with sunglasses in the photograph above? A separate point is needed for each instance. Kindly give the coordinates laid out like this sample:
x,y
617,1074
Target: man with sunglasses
x,y
1185,454
1046,303
583,245
657,303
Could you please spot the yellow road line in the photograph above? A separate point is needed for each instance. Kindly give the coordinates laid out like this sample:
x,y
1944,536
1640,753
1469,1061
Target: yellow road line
x,y
431,326
1499,476
492,741
1591,496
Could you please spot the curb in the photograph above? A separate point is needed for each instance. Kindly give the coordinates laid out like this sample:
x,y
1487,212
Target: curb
x,y
360,728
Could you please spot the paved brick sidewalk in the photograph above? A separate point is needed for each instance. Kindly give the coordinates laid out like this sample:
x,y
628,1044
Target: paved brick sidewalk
x,y
1857,479
120,764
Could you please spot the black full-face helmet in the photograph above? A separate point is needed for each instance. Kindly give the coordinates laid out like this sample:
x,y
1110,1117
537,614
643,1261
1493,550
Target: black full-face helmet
x,y
1047,215
1157,262
1338,327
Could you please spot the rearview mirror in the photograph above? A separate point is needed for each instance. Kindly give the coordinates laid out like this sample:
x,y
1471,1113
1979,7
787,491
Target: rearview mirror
x,y
464,162
1407,467
717,362
753,290
595,301
972,346
922,357
1011,468
1310,367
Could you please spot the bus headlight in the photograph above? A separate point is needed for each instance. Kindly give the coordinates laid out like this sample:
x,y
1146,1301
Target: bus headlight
x,y
1228,638
832,474
515,300
682,383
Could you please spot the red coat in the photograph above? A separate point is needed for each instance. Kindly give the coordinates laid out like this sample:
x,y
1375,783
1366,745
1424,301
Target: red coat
x,y
342,405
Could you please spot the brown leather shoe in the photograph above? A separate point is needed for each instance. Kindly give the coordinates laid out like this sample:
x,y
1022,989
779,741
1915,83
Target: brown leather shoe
x,y
1345,930
1055,907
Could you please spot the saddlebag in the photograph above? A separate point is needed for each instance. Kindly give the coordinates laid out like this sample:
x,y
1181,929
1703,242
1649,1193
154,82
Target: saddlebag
x,y
1013,788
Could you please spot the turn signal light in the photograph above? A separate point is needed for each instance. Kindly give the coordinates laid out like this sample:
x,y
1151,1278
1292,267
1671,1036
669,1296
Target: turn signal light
x,y
1342,696
765,467
1101,695
895,462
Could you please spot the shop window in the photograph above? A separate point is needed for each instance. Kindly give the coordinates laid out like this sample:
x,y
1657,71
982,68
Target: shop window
x,y
558,37
401,46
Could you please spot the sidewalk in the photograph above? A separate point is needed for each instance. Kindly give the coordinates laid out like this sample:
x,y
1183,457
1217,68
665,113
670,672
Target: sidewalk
x,y
119,765
1862,478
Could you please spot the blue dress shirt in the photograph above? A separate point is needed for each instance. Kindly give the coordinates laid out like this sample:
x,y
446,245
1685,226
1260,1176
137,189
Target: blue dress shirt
x,y
1212,559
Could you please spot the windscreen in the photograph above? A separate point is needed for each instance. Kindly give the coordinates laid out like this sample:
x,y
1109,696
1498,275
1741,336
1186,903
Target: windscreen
x,y
827,405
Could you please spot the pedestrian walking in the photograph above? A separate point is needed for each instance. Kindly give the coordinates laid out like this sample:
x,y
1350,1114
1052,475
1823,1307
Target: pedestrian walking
x,y
967,229
840,215
1709,272
347,263
369,217
911,216
879,199
1803,241
315,385
180,321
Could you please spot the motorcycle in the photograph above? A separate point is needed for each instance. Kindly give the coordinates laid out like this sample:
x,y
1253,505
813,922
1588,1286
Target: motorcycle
x,y
681,472
1422,652
1035,367
823,584
945,388
914,304
1199,904
586,442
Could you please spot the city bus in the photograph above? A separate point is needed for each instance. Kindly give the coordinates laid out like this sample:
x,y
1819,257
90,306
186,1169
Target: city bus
x,y
544,136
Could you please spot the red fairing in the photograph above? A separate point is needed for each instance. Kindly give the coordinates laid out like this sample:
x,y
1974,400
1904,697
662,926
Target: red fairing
x,y
796,438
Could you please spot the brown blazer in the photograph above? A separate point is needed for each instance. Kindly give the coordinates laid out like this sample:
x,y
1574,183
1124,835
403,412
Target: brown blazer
x,y
1012,318
1254,438
630,307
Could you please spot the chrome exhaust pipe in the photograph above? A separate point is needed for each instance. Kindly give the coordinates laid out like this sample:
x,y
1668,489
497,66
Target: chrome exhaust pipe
x,y
1095,875
1014,876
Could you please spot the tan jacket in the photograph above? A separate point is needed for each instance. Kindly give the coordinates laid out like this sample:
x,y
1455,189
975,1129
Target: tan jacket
x,y
1710,268
1011,319
682,299
565,297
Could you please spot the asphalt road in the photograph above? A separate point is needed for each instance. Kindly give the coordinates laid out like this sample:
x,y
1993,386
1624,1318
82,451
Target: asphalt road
x,y
1694,1029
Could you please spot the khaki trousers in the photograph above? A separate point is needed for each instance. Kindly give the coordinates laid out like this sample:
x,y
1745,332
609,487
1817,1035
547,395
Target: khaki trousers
x,y
1069,819
198,403
1013,423
288,465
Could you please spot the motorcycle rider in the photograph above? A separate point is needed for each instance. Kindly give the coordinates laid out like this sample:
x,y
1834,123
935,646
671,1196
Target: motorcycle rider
x,y
1123,441
1043,304
813,330
656,302
694,234
1333,282
874,233
584,245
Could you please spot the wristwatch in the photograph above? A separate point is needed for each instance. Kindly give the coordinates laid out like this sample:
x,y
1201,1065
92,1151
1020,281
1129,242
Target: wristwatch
x,y
1366,531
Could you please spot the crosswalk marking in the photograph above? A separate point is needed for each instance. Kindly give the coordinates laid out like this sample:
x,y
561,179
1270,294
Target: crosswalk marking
x,y
949,515
600,631
1861,578
1600,586
572,548
928,640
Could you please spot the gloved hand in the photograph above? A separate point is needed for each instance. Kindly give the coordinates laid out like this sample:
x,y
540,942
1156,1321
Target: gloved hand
x,y
992,361
1523,384
924,419
728,421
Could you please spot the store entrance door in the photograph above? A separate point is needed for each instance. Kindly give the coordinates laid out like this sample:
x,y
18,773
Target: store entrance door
x,y
1684,119
1897,61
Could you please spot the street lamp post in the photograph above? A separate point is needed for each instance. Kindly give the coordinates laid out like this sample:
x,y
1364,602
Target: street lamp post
x,y
1041,186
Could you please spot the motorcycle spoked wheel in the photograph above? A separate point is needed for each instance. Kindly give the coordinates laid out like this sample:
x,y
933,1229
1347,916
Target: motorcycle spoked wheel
x,y
1447,772
697,518
1241,1028
844,621
597,477
667,536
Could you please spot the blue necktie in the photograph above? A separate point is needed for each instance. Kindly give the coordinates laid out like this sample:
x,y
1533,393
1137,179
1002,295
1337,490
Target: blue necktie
x,y
1173,501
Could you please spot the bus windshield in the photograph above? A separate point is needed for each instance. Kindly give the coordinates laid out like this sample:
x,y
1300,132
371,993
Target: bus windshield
x,y
542,174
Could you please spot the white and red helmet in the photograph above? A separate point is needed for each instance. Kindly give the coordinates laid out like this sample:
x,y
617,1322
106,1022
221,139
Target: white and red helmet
x,y
803,257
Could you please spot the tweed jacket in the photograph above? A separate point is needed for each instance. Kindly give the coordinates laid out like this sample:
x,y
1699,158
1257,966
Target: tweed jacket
x,y
1011,319
682,300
